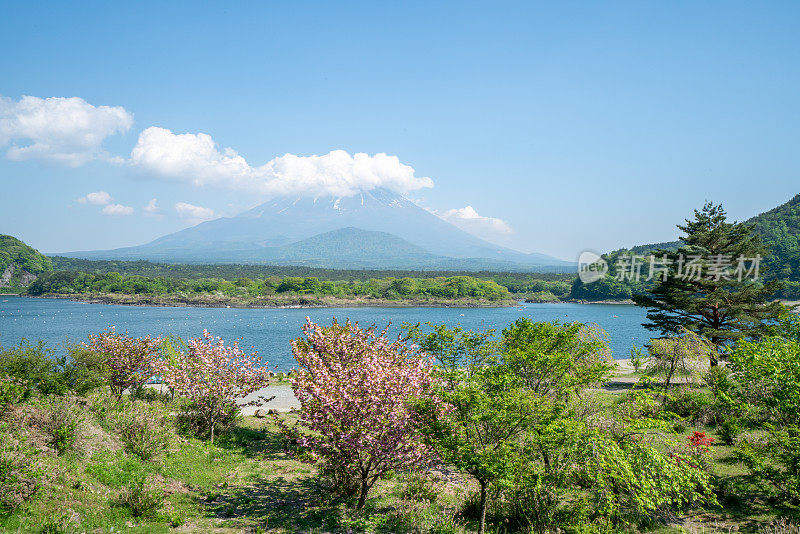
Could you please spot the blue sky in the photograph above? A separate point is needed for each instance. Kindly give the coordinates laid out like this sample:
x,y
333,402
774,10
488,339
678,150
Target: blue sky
x,y
563,125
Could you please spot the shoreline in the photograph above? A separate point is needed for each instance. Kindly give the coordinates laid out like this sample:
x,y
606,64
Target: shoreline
x,y
293,302
626,302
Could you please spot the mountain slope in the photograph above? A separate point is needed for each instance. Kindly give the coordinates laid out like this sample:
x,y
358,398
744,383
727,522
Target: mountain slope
x,y
779,229
20,264
257,235
360,249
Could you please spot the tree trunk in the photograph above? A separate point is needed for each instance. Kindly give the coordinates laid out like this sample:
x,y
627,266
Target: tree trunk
x,y
545,458
668,378
362,495
212,432
482,527
712,355
717,324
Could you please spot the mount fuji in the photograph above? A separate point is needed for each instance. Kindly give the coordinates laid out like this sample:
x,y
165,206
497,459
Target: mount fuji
x,y
373,229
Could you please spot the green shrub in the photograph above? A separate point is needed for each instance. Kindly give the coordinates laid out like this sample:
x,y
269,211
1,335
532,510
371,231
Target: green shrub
x,y
142,496
12,391
87,370
681,355
419,486
650,477
767,392
774,459
444,525
59,420
42,372
20,474
340,483
728,429
532,501
725,412
58,525
368,523
692,405
718,380
35,366
637,359
145,430
176,519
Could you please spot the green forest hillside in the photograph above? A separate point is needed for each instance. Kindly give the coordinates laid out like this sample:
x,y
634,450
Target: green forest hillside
x,y
20,264
779,229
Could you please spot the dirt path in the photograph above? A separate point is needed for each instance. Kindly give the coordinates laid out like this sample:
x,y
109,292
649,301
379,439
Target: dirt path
x,y
284,400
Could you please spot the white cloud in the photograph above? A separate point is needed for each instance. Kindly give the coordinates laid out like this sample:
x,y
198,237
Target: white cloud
x,y
152,207
98,198
117,209
192,212
66,130
196,159
102,198
470,221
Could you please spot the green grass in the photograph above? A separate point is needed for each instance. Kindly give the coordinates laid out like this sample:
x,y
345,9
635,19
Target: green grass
x,y
245,482
242,483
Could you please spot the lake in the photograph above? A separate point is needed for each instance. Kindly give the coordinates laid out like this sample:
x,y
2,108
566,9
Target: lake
x,y
269,330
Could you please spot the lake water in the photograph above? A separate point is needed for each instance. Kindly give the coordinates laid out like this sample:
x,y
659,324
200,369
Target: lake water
x,y
269,330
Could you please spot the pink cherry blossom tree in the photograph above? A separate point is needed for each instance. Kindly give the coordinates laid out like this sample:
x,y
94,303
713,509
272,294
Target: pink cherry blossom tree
x,y
129,360
212,375
353,386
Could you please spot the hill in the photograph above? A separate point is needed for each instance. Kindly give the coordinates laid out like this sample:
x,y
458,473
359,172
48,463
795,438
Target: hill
x,y
20,264
779,229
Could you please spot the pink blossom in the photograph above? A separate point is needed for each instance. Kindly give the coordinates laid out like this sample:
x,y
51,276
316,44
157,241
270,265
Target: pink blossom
x,y
129,360
354,386
212,375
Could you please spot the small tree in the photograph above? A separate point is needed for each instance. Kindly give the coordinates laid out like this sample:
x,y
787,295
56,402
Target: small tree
x,y
353,386
766,376
212,376
636,478
508,400
682,355
637,361
129,360
711,300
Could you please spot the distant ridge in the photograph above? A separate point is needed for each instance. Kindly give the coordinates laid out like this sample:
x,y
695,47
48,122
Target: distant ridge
x,y
375,229
779,229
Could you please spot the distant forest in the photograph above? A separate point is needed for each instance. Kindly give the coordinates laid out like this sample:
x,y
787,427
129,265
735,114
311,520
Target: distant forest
x,y
228,271
76,276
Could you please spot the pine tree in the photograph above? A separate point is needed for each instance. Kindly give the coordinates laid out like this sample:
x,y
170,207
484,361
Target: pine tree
x,y
713,284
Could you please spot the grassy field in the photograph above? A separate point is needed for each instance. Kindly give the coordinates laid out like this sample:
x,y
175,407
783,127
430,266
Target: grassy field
x,y
245,482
